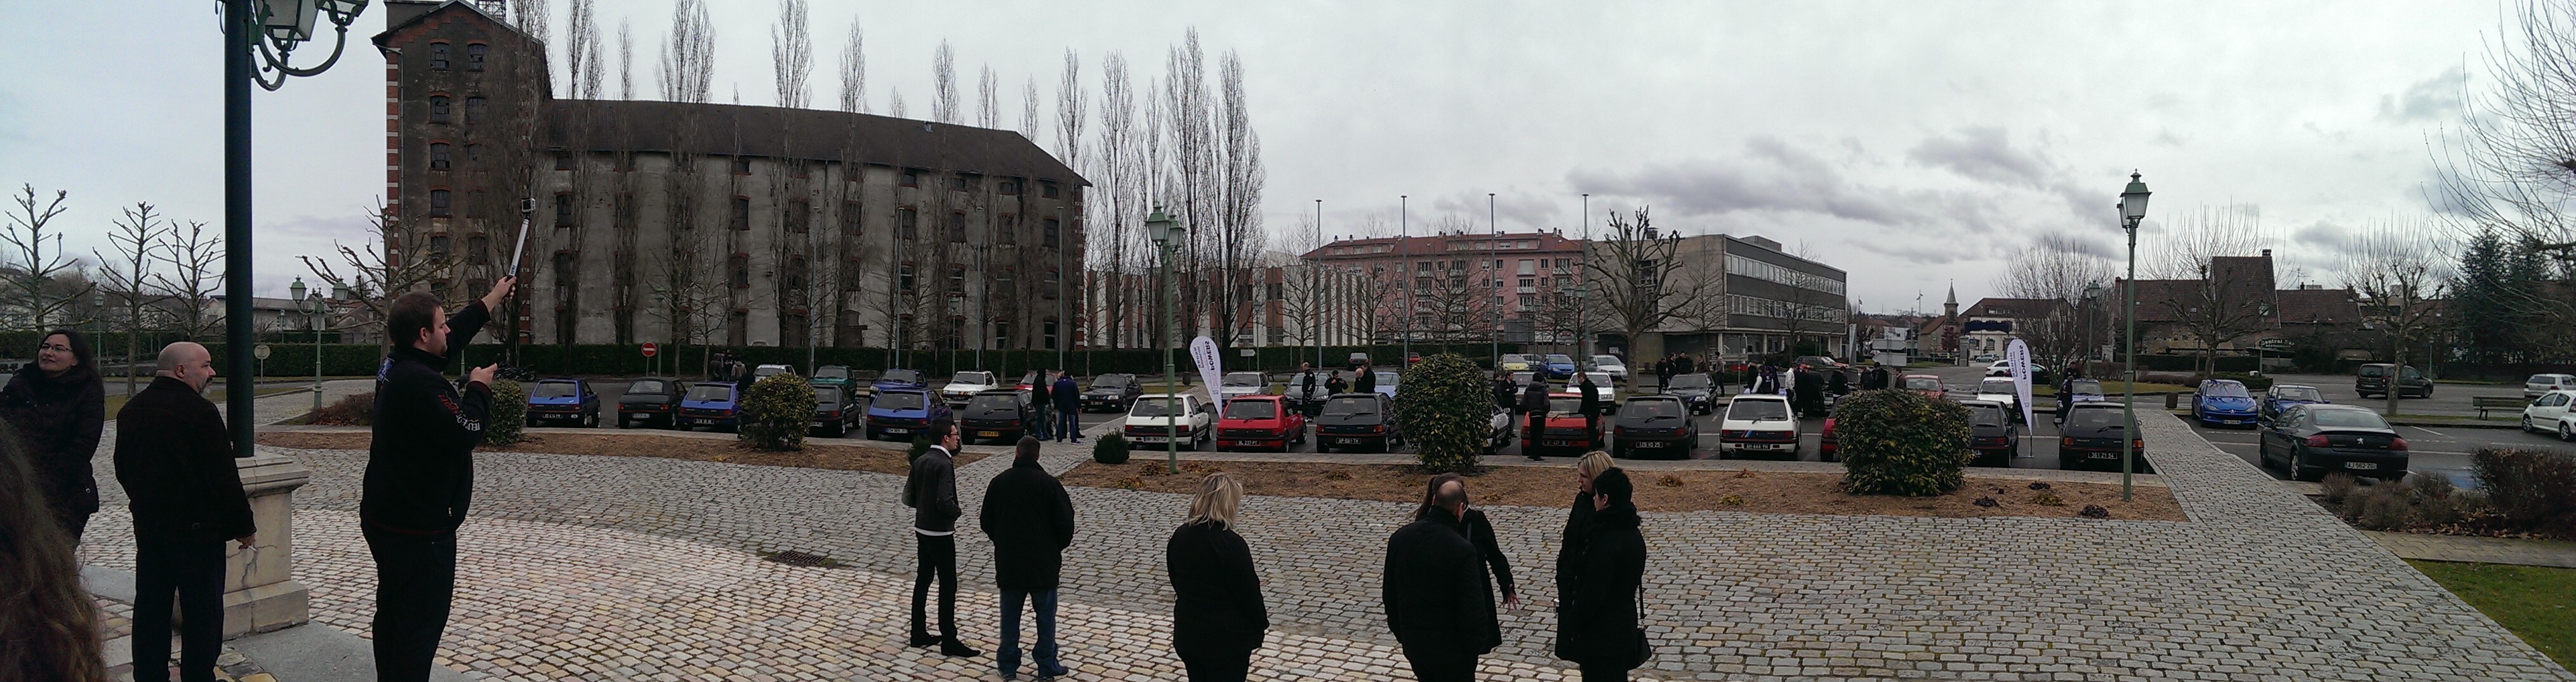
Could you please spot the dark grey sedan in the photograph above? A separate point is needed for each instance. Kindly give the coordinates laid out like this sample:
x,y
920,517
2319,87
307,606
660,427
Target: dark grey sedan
x,y
2313,440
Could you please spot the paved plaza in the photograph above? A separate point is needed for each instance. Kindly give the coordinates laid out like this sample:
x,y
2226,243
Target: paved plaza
x,y
606,568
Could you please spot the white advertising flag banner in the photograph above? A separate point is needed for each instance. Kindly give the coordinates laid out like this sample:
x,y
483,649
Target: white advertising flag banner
x,y
1211,365
2017,356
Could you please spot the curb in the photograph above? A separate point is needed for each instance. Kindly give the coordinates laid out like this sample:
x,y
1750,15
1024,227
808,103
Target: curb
x,y
2455,425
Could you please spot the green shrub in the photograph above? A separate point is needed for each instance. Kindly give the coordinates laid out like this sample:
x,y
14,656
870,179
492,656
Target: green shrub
x,y
920,446
2531,489
1109,449
1898,442
509,418
353,410
1444,409
775,412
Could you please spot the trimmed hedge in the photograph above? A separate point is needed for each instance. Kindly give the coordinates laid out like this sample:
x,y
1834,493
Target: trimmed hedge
x,y
1444,408
1109,448
509,418
2532,489
776,412
1899,442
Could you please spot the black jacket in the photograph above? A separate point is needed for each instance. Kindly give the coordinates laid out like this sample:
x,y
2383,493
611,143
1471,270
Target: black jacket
x,y
1569,556
59,420
1038,390
1366,382
1434,588
1480,532
1216,595
420,465
1838,384
1591,399
931,491
1030,520
175,459
1597,614
1503,393
1534,398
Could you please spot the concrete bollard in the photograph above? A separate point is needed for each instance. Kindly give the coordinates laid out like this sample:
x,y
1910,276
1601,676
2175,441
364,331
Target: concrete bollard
x,y
260,593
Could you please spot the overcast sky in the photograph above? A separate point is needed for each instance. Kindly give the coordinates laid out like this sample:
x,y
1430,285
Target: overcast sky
x,y
1911,144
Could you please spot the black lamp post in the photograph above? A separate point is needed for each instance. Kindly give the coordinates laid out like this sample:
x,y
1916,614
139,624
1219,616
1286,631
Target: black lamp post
x,y
2133,207
1168,234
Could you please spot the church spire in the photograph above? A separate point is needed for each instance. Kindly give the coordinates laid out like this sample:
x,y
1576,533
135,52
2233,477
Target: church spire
x,y
1950,305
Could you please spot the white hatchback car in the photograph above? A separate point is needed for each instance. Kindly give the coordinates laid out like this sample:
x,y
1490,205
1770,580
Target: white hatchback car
x,y
963,386
1756,424
2544,383
2549,413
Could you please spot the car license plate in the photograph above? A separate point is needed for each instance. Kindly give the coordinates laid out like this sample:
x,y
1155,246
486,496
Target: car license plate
x,y
988,434
1148,439
2361,465
1756,446
1557,443
702,421
819,424
1243,443
1346,441
897,430
2103,455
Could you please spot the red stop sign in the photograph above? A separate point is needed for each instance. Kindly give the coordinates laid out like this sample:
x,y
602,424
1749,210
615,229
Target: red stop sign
x,y
650,349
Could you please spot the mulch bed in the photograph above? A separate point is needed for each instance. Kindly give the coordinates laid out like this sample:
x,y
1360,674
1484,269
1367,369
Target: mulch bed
x,y
816,455
1746,491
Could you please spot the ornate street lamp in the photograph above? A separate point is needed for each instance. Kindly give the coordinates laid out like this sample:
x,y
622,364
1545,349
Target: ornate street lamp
x,y
2133,208
1167,235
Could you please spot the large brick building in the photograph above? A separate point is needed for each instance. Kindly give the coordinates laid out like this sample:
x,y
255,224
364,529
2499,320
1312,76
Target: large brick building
x,y
712,223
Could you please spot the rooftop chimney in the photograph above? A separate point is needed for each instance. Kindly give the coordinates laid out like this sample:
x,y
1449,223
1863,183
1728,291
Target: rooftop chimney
x,y
2267,253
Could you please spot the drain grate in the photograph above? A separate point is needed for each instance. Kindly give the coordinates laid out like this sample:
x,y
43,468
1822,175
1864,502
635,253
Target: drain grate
x,y
796,558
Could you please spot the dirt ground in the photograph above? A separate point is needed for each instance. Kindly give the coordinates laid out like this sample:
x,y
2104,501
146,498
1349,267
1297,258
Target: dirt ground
x,y
1745,491
814,456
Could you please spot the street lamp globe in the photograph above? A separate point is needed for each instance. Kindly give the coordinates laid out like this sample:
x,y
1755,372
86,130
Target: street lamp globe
x,y
1163,229
2133,200
296,291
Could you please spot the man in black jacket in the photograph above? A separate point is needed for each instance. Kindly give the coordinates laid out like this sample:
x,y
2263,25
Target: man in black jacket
x,y
1534,407
1437,599
175,459
931,491
420,473
1592,408
1030,520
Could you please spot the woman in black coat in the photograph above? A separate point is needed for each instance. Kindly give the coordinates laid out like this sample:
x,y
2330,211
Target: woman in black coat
x,y
1479,532
1217,615
1598,616
1578,518
59,408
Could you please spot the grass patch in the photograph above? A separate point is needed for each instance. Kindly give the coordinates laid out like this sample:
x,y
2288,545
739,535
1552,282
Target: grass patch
x,y
2537,603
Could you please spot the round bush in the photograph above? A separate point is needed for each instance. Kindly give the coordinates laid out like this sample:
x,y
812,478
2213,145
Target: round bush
x,y
775,412
509,418
1109,449
1443,408
1898,442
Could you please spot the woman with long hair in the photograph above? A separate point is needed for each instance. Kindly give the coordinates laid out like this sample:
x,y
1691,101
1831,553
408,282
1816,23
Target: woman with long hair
x,y
1218,618
1578,517
48,623
59,408
1479,532
1597,616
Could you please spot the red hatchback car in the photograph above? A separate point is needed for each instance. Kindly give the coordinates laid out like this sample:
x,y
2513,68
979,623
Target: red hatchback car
x,y
1565,427
1260,421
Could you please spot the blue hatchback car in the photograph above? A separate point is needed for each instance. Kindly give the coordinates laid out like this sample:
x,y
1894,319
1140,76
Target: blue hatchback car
x,y
567,399
2223,401
898,379
710,404
902,413
1558,366
2285,396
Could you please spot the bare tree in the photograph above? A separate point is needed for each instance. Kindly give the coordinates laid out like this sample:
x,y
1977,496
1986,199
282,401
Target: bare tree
x,y
2215,306
625,61
139,233
2056,268
1111,251
791,53
2400,282
689,58
32,285
988,102
894,102
534,20
392,262
2511,166
854,70
582,61
1636,270
1029,115
943,84
193,280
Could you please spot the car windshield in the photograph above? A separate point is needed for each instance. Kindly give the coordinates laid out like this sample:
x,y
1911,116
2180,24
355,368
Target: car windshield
x,y
1564,404
1152,406
1758,410
1113,381
1607,360
2093,419
901,375
1602,378
1251,409
971,378
2374,371
648,386
826,394
1651,408
2087,386
1554,358
2296,393
993,403
1350,406
553,389
1524,378
1993,386
897,401
1923,383
1688,381
703,392
1243,379
1386,379
2358,418
766,371
832,373
1511,357
1986,415
2224,389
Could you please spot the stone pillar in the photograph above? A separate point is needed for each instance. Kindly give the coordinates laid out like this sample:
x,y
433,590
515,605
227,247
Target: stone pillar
x,y
260,594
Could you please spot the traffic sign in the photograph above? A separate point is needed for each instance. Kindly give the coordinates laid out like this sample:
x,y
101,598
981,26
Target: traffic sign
x,y
650,349
259,351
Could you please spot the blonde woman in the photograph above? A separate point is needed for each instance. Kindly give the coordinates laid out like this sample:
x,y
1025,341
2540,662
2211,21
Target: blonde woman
x,y
1217,615
1570,553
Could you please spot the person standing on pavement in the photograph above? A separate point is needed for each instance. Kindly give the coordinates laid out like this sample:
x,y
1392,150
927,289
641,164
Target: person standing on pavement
x,y
1598,614
175,459
1663,371
1682,365
1307,384
1836,384
1030,521
59,409
419,481
1480,533
1578,519
1437,600
1366,381
1068,407
49,620
1591,407
1218,618
1534,409
1503,398
1335,385
931,490
1040,390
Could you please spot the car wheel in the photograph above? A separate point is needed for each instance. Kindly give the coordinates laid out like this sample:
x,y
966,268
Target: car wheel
x,y
2565,433
2526,423
590,422
2299,472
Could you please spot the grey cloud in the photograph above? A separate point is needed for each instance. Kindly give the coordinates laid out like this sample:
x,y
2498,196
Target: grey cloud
x,y
2322,235
1984,153
2431,99
1772,176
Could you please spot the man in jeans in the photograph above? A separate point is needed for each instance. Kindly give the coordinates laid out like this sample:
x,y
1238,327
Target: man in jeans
x,y
931,491
1030,520
1068,408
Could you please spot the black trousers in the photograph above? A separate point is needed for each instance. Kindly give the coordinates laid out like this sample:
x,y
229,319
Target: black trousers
x,y
938,555
1217,667
1440,663
194,570
415,582
1603,672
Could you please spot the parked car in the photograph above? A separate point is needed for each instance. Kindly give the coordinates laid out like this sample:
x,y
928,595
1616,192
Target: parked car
x,y
1238,384
1607,388
2003,368
650,399
1617,368
1358,359
763,371
836,375
2092,438
835,409
1991,433
1925,384
2372,380
902,413
1260,421
1516,362
1564,429
1655,423
1819,363
2544,383
2001,390
1522,380
2548,413
1828,449
1557,366
898,379
1499,429
1757,424
1151,418
1695,391
1110,393
1363,422
710,404
2282,397
963,386
2222,401
1387,380
997,414
1028,382
2084,391
2310,440
562,399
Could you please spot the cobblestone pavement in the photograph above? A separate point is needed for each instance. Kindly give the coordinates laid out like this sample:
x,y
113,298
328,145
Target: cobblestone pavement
x,y
644,562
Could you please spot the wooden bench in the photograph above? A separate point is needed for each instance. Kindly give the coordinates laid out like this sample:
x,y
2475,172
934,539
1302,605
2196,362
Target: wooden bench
x,y
2499,402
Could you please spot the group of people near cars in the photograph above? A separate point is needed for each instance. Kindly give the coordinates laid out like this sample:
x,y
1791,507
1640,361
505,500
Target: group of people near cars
x,y
1311,388
1437,588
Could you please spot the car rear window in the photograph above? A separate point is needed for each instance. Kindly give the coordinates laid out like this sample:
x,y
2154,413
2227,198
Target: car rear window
x,y
1151,406
2094,418
1758,409
898,401
2297,393
1986,415
2361,418
710,392
1922,384
2374,371
996,403
2087,386
1243,379
832,373
1995,386
1350,406
647,387
1564,404
1251,409
1651,408
971,378
552,389
827,395
1689,381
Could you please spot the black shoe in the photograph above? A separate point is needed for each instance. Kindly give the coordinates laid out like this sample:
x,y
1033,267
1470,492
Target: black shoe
x,y
957,648
923,639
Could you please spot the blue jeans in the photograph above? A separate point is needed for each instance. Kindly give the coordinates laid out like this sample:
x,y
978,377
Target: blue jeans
x,y
1068,424
1009,653
1039,431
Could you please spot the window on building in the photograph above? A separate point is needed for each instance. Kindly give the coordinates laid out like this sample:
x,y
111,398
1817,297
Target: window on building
x,y
1009,187
911,179
796,273
906,223
438,156
474,55
742,165
1001,334
438,56
625,211
438,247
957,227
477,110
1002,281
903,278
956,279
958,183
1527,282
478,250
741,213
1047,332
438,199
563,270
563,162
738,268
1278,291
1008,229
850,218
798,212
1526,266
1048,190
797,169
438,108
1048,231
563,210
1050,286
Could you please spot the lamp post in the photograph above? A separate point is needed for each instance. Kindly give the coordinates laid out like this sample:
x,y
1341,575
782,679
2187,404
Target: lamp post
x,y
1494,232
1168,233
1404,251
295,292
1315,316
2133,207
98,315
284,24
314,321
1583,280
2092,291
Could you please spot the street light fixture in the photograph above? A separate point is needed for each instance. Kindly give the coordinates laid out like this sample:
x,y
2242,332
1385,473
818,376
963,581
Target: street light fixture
x,y
1168,234
2133,208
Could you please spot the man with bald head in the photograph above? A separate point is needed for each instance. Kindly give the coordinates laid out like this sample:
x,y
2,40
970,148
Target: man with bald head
x,y
175,459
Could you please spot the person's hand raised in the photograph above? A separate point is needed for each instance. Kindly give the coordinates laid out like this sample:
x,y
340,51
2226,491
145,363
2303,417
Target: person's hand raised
x,y
482,375
500,291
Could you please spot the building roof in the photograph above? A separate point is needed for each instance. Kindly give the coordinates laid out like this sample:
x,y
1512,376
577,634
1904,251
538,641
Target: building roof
x,y
2015,308
775,132
1438,245
2318,306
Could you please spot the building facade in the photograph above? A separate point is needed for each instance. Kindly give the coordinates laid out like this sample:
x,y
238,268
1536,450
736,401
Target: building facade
x,y
1459,286
1754,299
